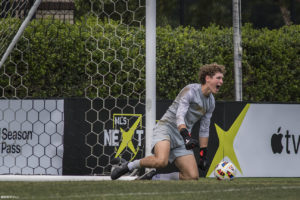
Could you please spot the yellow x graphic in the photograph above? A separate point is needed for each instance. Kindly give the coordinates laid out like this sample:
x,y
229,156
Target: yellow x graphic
x,y
127,139
226,139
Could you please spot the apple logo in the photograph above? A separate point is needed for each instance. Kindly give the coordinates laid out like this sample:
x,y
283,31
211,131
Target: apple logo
x,y
276,142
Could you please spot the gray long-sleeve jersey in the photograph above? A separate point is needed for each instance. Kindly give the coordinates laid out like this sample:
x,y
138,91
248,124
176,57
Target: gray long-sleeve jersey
x,y
189,106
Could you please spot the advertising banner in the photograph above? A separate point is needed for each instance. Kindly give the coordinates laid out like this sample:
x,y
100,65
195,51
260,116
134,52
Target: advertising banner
x,y
263,141
94,137
31,136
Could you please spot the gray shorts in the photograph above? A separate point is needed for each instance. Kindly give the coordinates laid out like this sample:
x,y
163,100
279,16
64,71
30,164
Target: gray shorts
x,y
164,131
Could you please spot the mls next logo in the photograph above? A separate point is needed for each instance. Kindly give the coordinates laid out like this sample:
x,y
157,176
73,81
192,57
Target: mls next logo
x,y
126,129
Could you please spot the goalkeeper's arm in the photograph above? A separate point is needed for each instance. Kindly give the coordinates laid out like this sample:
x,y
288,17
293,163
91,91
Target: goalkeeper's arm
x,y
203,162
203,139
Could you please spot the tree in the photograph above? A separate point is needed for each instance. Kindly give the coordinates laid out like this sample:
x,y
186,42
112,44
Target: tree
x,y
202,13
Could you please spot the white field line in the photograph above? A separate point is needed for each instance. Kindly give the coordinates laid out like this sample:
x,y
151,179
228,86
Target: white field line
x,y
49,178
119,195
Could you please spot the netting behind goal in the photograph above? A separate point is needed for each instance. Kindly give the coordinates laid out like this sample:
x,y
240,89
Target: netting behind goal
x,y
97,54
11,11
116,83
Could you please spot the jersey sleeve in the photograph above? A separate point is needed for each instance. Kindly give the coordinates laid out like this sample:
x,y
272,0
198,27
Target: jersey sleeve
x,y
205,123
184,99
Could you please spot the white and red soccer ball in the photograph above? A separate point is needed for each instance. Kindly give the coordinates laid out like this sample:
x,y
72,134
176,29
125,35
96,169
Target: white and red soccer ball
x,y
225,171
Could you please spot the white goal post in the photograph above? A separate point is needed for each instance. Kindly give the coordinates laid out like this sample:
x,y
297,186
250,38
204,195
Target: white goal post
x,y
150,72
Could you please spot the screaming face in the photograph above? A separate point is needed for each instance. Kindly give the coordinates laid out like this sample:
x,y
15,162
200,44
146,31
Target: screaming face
x,y
214,83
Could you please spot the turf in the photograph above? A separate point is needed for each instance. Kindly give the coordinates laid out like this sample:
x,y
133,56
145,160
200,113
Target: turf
x,y
205,188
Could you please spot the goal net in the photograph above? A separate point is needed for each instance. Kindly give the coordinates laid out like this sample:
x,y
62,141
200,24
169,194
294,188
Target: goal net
x,y
91,50
116,89
11,12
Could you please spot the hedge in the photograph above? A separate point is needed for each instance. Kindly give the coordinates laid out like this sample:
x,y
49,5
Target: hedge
x,y
55,59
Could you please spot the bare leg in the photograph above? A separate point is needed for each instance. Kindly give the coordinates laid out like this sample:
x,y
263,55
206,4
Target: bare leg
x,y
159,160
188,167
160,157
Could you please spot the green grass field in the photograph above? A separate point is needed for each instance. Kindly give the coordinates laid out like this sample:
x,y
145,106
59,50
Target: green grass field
x,y
205,188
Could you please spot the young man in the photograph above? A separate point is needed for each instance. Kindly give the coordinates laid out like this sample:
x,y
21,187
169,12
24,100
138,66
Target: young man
x,y
172,141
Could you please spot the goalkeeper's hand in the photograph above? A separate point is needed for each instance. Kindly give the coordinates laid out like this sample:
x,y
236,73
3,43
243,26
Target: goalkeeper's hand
x,y
203,163
189,142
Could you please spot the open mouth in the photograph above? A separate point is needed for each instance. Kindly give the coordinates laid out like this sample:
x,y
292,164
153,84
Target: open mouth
x,y
218,87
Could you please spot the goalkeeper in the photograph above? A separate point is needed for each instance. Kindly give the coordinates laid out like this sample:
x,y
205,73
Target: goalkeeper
x,y
172,141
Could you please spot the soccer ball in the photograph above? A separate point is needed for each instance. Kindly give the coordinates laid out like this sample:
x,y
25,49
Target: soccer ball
x,y
225,171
